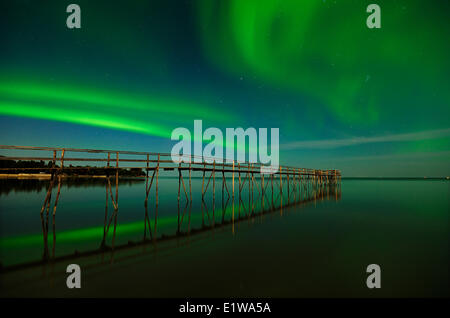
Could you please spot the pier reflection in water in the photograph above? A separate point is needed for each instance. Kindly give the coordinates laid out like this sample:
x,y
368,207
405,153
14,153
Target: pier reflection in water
x,y
185,210
312,246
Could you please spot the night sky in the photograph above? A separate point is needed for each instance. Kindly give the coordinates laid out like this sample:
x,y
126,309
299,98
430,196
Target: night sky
x,y
371,102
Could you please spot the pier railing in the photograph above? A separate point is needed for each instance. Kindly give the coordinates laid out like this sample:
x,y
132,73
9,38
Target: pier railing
x,y
119,159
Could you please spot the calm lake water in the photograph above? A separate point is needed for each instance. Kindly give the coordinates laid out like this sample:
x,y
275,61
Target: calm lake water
x,y
316,245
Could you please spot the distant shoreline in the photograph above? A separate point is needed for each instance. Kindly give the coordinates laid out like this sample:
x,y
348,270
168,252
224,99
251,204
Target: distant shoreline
x,y
397,178
47,176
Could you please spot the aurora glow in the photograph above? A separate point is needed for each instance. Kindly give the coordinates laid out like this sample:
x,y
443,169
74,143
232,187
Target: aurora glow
x,y
82,234
137,70
318,49
96,232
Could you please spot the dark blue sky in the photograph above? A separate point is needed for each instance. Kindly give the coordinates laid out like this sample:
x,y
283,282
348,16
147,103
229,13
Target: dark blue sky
x,y
369,102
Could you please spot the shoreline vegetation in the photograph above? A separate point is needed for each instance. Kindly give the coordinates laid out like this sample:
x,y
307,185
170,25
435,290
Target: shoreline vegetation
x,y
11,169
395,178
8,185
47,176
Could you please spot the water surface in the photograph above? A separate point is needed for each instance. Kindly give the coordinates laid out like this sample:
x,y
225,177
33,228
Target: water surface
x,y
317,244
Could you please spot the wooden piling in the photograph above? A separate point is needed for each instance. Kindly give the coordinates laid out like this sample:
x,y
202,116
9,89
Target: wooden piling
x,y
179,182
146,179
239,176
232,177
288,183
59,183
156,190
117,180
214,193
203,182
281,180
214,179
190,184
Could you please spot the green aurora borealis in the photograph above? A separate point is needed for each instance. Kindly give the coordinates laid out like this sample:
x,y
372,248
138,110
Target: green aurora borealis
x,y
371,102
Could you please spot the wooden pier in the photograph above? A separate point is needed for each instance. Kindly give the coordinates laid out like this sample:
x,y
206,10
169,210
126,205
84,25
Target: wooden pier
x,y
265,191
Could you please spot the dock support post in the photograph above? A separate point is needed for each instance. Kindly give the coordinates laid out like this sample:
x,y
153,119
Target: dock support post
x,y
232,186
156,200
232,200
253,207
262,183
146,178
288,184
203,182
179,182
190,184
214,193
59,183
117,180
214,180
281,180
50,187
271,181
179,188
239,176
